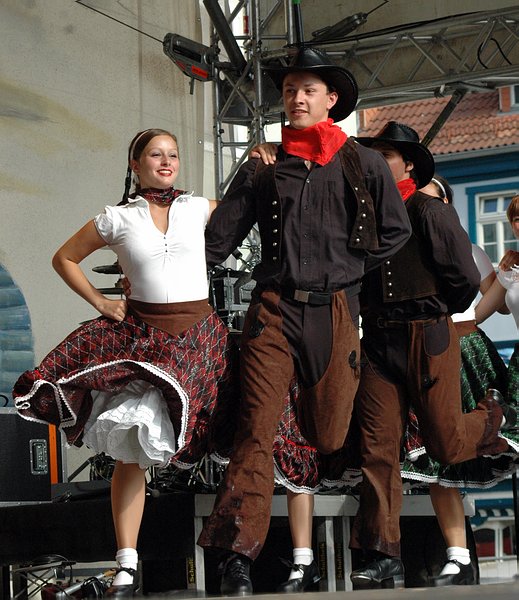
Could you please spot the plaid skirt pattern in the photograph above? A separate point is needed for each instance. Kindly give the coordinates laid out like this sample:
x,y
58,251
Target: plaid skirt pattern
x,y
297,464
482,368
194,371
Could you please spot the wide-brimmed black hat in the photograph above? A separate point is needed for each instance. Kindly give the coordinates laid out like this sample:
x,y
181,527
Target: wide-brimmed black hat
x,y
406,141
338,78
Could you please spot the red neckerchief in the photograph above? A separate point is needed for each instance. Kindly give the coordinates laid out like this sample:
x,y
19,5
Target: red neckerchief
x,y
160,196
317,143
406,187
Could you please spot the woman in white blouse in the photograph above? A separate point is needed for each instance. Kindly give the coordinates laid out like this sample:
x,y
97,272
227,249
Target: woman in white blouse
x,y
506,288
147,381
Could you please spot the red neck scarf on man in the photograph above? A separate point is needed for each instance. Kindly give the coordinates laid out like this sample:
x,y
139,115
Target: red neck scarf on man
x,y
406,187
317,143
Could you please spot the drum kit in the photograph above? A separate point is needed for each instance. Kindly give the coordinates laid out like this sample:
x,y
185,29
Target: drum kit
x,y
230,290
230,295
113,269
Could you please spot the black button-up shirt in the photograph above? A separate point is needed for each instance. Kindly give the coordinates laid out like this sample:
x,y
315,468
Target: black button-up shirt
x,y
311,215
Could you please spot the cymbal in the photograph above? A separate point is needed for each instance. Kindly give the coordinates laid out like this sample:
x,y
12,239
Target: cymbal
x,y
114,269
113,290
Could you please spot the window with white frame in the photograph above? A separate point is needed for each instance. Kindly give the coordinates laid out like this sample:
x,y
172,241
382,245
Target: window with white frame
x,y
514,96
494,233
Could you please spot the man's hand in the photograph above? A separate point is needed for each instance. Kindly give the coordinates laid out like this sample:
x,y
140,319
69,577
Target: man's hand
x,y
510,258
267,152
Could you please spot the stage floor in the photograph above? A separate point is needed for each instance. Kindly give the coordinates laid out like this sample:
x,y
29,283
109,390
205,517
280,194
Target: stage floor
x,y
494,591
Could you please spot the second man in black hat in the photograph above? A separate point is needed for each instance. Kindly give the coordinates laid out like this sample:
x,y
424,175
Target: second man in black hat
x,y
411,356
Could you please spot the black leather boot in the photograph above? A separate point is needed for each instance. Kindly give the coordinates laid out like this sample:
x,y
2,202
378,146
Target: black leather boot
x,y
464,577
386,572
309,575
235,570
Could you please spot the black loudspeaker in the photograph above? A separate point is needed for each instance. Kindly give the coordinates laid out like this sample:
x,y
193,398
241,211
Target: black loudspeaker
x,y
31,458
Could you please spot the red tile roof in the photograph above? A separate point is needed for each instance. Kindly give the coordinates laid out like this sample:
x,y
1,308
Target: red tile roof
x,y
475,124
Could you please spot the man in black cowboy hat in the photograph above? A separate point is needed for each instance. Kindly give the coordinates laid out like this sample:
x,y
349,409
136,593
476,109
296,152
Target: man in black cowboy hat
x,y
327,211
411,354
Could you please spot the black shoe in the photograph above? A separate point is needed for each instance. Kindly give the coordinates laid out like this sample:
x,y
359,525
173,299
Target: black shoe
x,y
509,412
235,580
464,577
309,575
380,573
123,591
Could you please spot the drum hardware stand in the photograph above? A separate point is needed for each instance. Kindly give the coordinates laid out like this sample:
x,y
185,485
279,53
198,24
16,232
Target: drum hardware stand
x,y
41,571
113,269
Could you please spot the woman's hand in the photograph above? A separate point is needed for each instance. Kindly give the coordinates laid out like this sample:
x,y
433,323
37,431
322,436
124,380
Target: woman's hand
x,y
266,151
510,258
112,309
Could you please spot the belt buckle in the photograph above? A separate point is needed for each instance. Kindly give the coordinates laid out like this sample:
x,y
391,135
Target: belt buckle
x,y
302,296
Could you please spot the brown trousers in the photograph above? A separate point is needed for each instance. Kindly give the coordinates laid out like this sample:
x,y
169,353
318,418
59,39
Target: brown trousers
x,y
241,516
419,363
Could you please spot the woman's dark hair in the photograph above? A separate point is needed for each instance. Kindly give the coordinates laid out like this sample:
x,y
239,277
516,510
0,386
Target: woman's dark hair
x,y
137,145
444,189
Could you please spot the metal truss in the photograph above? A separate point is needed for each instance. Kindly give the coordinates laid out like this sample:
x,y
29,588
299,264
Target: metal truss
x,y
478,51
241,102
470,52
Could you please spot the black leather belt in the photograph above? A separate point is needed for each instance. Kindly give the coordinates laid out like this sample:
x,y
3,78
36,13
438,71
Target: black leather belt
x,y
317,298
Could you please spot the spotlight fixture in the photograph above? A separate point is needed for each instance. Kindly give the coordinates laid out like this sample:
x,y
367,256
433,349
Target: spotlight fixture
x,y
192,58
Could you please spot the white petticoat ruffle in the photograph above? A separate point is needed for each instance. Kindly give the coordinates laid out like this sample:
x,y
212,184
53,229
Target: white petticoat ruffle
x,y
132,426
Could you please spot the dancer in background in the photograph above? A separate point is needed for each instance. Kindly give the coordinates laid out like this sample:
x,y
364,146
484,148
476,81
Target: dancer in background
x,y
412,357
506,288
481,368
148,382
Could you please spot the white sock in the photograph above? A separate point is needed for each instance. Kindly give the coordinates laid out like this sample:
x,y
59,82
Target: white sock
x,y
302,556
462,555
125,557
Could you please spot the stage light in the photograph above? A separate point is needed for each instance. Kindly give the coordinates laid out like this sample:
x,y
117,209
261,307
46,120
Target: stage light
x,y
192,58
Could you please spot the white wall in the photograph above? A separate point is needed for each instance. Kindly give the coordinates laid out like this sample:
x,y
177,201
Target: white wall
x,y
75,86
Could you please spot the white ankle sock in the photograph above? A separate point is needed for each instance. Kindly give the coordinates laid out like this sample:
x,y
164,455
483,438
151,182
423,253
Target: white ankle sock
x,y
462,555
126,557
302,556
